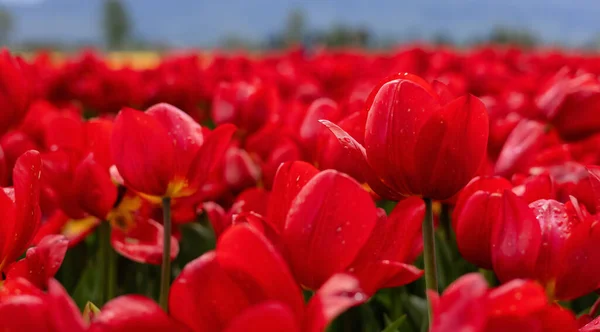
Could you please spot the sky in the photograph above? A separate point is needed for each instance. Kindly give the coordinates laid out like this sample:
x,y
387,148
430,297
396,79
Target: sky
x,y
205,22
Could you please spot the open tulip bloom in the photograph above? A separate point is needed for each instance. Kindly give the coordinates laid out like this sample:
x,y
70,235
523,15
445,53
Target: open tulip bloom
x,y
302,192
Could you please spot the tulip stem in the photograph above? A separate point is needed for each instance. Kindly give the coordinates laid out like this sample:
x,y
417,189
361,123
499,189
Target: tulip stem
x,y
165,276
107,264
102,261
429,254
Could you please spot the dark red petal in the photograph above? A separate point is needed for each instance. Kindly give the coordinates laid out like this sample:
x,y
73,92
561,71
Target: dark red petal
x,y
450,147
358,156
41,262
62,309
96,193
98,133
25,313
399,109
289,180
384,274
332,154
18,286
322,108
26,178
329,222
556,226
221,301
491,184
143,152
335,296
7,229
520,148
210,154
517,297
463,306
516,239
474,227
183,131
255,264
268,316
593,326
143,243
579,261
217,217
133,313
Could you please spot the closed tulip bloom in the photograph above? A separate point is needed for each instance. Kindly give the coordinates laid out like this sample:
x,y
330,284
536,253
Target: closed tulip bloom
x,y
473,218
418,142
551,242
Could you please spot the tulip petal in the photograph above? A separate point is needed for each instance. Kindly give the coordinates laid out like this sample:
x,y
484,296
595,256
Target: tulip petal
x,y
26,178
41,262
133,313
451,146
255,264
329,221
143,152
516,239
491,184
463,306
517,297
97,140
358,155
143,243
520,148
474,227
96,193
63,311
289,180
338,294
184,132
221,301
268,316
210,154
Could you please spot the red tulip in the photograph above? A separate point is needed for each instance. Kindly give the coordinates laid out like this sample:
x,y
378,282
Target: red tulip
x,y
326,223
473,218
415,144
331,155
548,241
20,206
14,91
163,152
246,105
246,285
570,103
520,305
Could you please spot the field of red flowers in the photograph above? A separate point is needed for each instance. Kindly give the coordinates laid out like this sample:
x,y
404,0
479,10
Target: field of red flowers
x,y
418,190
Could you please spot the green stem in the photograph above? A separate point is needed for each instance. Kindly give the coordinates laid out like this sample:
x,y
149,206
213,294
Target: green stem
x,y
165,276
112,273
429,254
103,260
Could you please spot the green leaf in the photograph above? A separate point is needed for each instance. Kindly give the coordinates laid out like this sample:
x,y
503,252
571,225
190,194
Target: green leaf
x,y
87,288
395,326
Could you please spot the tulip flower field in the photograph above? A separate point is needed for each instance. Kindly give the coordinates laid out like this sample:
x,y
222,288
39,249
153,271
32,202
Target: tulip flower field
x,y
422,189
